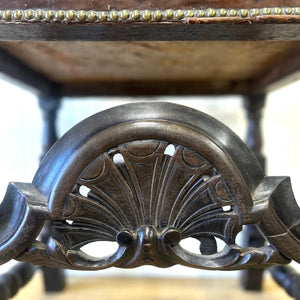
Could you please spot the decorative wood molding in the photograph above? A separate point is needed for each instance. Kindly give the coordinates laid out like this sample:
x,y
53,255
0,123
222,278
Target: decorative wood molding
x,y
210,15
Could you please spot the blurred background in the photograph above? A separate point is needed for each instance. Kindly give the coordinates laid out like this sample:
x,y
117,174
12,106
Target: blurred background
x,y
21,135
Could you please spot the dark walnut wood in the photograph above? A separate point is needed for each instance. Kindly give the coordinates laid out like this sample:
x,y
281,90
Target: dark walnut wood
x,y
154,174
252,279
16,278
136,4
289,278
54,279
21,72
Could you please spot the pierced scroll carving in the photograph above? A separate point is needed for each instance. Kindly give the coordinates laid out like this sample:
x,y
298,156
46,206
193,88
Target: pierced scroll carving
x,y
148,201
154,183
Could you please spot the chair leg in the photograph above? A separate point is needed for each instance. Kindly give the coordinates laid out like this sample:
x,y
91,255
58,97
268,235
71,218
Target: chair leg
x,y
54,279
254,105
252,278
288,278
49,107
14,279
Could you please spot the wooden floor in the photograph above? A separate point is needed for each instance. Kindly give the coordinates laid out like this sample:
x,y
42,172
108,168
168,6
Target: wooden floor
x,y
150,289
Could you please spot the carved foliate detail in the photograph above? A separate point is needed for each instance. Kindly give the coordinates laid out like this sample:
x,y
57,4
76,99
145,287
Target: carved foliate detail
x,y
148,196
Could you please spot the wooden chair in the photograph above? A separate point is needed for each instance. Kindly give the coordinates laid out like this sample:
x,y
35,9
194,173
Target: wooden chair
x,y
153,48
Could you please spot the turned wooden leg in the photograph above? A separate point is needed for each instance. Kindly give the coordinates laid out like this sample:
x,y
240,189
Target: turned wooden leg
x,y
288,278
17,277
54,279
254,104
49,107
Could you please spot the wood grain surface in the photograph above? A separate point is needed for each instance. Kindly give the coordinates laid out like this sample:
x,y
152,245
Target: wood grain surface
x,y
149,67
82,62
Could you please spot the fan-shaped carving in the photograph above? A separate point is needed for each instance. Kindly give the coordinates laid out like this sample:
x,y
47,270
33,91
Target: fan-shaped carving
x,y
148,200
148,191
148,179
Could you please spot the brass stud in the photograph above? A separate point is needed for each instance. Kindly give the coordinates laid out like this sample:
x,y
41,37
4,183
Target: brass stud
x,y
29,14
201,13
60,15
243,13
146,15
114,16
18,14
266,11
81,15
50,15
157,15
254,12
169,14
288,11
232,12
189,13
277,11
71,15
92,16
211,12
125,14
135,15
39,14
179,14
222,12
7,15
103,16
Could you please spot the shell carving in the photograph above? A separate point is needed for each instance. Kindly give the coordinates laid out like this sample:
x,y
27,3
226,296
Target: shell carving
x,y
149,195
149,176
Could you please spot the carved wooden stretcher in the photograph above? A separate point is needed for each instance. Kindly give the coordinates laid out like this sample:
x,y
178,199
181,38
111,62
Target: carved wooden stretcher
x,y
78,48
147,199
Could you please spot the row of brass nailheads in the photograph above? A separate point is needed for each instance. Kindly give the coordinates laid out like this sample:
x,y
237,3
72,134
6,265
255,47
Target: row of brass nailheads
x,y
138,15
